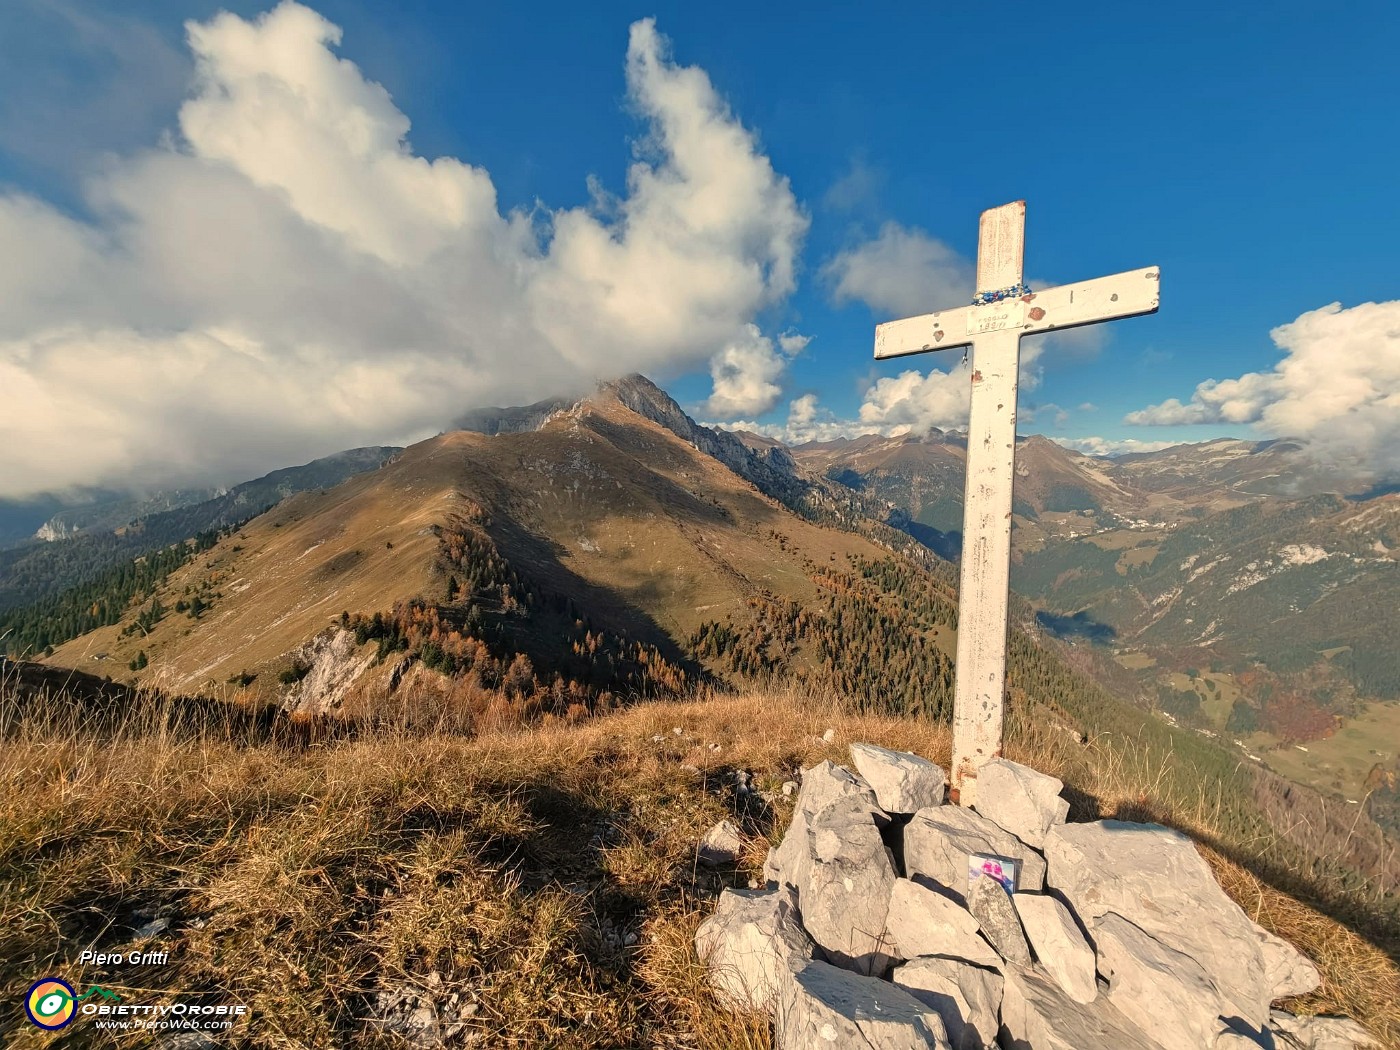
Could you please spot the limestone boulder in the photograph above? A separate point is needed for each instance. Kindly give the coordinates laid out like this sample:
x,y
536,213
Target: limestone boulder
x,y
967,998
827,1008
991,906
721,845
1160,989
1287,971
1020,800
823,784
843,891
1318,1033
939,842
1059,944
1036,1014
1153,877
751,944
922,921
903,782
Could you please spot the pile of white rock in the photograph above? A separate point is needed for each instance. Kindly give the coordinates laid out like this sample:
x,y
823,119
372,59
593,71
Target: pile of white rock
x,y
871,933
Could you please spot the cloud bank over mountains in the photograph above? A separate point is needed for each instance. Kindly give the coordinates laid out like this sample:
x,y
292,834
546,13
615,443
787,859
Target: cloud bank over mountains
x,y
286,277
1337,388
282,277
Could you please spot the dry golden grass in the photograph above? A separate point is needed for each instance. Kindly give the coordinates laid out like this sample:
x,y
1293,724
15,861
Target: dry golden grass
x,y
304,877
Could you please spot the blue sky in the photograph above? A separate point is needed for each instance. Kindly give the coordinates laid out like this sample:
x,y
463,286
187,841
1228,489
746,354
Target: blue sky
x,y
1250,152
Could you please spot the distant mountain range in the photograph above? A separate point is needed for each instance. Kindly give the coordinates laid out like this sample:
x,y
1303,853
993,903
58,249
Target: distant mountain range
x,y
1242,550
106,533
703,547
103,511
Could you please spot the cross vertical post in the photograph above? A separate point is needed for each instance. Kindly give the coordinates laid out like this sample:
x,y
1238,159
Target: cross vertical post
x,y
984,587
1002,311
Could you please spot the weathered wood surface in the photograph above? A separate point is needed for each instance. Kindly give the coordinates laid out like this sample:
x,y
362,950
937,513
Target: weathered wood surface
x,y
1067,306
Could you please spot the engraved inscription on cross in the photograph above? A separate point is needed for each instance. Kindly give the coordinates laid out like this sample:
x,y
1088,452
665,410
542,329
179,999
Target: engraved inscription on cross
x,y
1003,310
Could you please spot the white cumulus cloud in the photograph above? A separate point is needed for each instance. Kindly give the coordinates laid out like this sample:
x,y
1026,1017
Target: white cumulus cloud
x,y
1337,387
747,371
1241,400
287,277
808,420
912,402
901,272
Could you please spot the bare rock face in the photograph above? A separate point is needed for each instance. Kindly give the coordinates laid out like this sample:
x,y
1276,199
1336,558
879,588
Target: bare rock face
x,y
1037,1015
922,921
335,664
1162,990
1318,1033
903,782
822,785
827,1008
845,883
967,998
991,906
939,841
1059,944
1020,800
751,944
1154,878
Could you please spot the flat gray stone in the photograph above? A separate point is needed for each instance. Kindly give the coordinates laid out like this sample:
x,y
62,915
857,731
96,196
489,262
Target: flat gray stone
x,y
1037,1015
1020,800
967,998
939,842
1153,877
827,1008
991,906
1287,971
903,782
823,784
752,942
845,884
1059,945
1161,990
721,845
1292,1032
922,921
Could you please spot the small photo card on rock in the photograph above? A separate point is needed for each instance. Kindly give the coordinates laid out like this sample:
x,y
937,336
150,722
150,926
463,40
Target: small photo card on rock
x,y
988,865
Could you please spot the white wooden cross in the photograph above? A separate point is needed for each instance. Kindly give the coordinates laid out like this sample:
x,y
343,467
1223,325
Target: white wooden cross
x,y
1003,311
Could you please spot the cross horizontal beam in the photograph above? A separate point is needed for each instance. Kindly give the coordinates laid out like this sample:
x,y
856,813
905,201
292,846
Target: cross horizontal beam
x,y
1067,306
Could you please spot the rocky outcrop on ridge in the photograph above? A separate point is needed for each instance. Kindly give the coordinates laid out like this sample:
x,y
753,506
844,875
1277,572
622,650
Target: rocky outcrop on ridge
x,y
893,920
